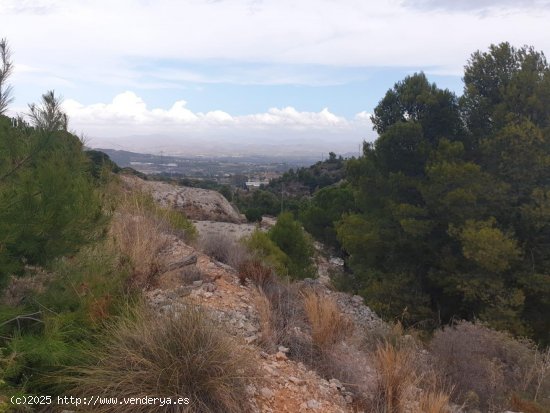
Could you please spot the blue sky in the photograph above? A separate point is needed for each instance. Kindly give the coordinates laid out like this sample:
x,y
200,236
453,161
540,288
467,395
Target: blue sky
x,y
169,74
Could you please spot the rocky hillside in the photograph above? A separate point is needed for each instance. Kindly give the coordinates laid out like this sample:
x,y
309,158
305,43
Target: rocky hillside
x,y
196,203
314,349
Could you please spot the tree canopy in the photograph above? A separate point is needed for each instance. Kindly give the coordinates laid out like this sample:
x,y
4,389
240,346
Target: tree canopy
x,y
452,205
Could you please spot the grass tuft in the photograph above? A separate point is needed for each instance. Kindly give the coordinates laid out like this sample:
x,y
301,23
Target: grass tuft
x,y
179,355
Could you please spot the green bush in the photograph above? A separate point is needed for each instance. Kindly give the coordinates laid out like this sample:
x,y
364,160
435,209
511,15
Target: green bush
x,y
265,249
289,236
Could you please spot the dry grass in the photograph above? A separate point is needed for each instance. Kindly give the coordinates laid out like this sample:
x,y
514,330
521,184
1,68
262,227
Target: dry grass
x,y
139,237
269,337
328,325
180,355
224,248
395,376
255,272
433,402
283,321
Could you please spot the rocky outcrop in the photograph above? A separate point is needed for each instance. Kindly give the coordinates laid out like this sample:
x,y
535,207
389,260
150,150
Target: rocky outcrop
x,y
197,204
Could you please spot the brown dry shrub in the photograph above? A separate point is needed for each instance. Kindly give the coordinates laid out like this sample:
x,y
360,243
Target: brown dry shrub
x,y
255,272
283,321
224,248
486,366
328,325
433,402
395,376
184,354
139,237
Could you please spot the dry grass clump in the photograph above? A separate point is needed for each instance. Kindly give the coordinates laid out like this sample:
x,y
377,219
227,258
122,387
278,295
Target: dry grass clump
x,y
328,325
256,272
486,366
224,248
433,402
179,355
283,321
395,376
139,237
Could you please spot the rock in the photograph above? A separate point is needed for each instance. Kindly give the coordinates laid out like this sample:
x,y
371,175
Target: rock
x,y
251,339
335,384
313,404
280,356
336,261
283,349
296,380
251,390
189,260
209,287
208,295
357,300
267,393
197,283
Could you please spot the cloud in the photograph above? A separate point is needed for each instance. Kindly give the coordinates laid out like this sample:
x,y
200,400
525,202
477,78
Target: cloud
x,y
476,5
105,42
180,129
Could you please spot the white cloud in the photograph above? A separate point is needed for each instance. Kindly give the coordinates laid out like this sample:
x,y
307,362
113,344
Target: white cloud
x,y
102,40
110,124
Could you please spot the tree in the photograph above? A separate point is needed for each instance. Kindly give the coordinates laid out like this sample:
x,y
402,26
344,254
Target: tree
x,y
451,211
5,72
48,116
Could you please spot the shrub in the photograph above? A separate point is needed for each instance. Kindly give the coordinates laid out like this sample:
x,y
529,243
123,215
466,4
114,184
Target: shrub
x,y
255,272
140,238
179,355
253,214
328,325
282,320
268,252
223,248
486,366
433,402
289,236
395,376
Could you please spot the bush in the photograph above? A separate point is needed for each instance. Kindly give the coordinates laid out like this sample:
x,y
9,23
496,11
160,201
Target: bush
x,y
139,237
58,318
223,248
255,272
184,355
486,366
282,320
328,325
289,236
268,252
395,376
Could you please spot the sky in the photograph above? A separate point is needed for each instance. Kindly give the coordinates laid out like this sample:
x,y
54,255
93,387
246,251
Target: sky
x,y
240,76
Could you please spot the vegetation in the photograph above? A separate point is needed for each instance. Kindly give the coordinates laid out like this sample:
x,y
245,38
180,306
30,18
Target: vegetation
x,y
289,236
179,355
48,203
450,200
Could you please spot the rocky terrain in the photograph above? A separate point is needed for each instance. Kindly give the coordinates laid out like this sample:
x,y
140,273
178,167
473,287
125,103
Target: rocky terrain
x,y
197,204
191,277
